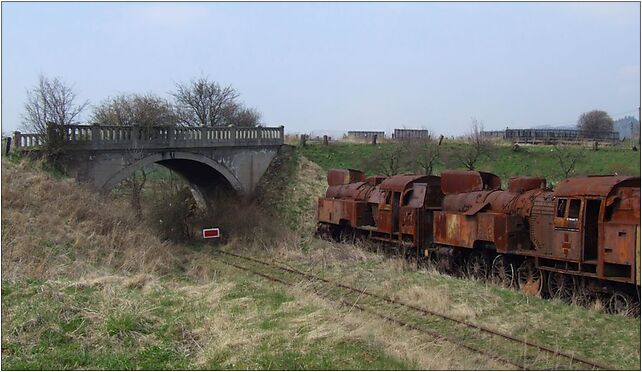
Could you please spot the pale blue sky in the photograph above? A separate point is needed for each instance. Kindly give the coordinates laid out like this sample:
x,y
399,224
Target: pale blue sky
x,y
340,66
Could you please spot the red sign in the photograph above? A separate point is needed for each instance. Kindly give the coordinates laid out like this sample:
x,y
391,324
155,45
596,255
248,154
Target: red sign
x,y
211,233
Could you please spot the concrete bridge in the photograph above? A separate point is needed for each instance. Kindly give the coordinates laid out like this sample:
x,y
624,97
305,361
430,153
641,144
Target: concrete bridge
x,y
207,157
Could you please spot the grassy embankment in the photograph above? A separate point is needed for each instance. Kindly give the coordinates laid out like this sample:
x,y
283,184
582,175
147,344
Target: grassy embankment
x,y
528,161
86,286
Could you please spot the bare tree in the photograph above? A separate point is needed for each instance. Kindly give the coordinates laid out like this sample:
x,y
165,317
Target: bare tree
x,y
173,208
241,116
477,147
426,153
135,184
567,158
50,104
388,163
203,102
595,121
145,110
135,110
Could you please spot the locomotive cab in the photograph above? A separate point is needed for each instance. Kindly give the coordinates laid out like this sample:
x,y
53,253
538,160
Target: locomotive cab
x,y
596,227
405,206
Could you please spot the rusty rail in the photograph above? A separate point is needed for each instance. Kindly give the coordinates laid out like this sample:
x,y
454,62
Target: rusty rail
x,y
522,341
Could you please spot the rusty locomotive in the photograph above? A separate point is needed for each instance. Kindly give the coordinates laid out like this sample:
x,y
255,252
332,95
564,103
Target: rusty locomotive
x,y
580,240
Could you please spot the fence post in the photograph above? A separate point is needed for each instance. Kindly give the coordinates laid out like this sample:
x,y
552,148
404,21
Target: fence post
x,y
374,139
8,148
281,135
303,139
17,140
325,140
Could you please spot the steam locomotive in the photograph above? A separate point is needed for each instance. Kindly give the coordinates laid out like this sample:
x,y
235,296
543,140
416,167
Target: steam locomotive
x,y
580,240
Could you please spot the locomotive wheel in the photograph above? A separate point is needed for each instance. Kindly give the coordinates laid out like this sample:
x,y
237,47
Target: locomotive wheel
x,y
583,296
530,278
335,232
477,266
325,232
561,286
620,303
445,264
346,235
502,272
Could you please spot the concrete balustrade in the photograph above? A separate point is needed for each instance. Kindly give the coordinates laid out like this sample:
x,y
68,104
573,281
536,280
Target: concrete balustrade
x,y
101,137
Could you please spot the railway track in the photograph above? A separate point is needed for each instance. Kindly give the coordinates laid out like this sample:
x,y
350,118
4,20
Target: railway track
x,y
514,352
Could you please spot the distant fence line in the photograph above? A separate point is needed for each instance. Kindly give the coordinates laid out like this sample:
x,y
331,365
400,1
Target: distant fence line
x,y
364,134
552,135
97,137
410,133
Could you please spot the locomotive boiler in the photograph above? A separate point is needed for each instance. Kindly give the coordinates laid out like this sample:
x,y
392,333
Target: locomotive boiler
x,y
581,239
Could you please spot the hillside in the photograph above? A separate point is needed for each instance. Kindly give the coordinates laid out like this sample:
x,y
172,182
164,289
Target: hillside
x,y
87,286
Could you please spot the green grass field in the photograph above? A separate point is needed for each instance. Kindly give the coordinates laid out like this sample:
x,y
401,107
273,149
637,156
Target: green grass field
x,y
232,322
529,161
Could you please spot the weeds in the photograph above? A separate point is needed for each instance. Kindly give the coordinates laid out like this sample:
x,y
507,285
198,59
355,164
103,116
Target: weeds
x,y
56,228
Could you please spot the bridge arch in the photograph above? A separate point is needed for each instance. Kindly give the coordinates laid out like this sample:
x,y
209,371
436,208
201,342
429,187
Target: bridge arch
x,y
200,171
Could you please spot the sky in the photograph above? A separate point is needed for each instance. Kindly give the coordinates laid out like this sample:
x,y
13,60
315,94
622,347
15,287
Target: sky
x,y
333,67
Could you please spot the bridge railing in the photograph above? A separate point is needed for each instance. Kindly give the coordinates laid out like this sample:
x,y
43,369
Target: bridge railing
x,y
97,137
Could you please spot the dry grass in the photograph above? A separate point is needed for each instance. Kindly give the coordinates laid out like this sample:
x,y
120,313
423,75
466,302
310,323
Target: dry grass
x,y
585,332
338,324
55,228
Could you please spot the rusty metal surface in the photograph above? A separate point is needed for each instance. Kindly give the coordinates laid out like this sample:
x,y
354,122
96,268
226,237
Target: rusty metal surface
x,y
454,229
355,191
566,243
492,201
375,180
402,182
340,212
521,184
588,226
624,205
563,228
594,185
463,202
541,223
344,176
416,196
619,243
402,200
454,181
506,232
